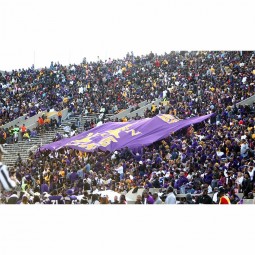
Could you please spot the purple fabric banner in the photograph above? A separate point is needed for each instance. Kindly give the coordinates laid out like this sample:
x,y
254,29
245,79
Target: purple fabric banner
x,y
113,136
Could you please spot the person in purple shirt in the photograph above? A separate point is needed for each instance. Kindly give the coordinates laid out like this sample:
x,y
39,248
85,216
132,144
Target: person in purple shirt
x,y
147,198
70,197
73,199
55,199
73,176
44,187
208,176
158,159
137,157
182,180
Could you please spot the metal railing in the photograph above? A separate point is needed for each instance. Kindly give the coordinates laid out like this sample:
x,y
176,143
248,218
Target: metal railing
x,y
247,101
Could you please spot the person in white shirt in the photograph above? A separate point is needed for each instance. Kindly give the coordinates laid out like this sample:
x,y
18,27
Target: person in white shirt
x,y
67,130
114,156
215,195
157,199
244,148
210,189
251,172
102,110
120,170
100,180
239,179
171,198
6,183
88,180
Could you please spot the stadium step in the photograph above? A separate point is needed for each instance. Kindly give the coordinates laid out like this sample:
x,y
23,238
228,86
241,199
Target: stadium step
x,y
23,147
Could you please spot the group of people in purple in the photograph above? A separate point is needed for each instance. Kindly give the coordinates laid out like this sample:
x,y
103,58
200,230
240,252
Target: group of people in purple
x,y
198,164
193,82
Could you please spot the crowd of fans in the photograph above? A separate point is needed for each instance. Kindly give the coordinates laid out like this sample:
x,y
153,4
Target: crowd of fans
x,y
194,81
211,162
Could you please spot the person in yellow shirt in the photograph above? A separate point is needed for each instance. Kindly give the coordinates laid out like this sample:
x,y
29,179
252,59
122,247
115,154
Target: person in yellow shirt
x,y
62,172
212,70
59,117
165,62
153,107
47,120
26,136
47,178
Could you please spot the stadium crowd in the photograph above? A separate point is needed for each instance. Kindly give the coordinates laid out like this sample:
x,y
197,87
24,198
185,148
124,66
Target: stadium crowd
x,y
200,79
214,157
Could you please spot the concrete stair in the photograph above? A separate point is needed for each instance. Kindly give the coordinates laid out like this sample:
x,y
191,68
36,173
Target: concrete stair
x,y
23,147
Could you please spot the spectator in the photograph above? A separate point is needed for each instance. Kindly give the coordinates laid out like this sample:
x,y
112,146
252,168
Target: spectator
x,y
233,197
15,134
223,199
13,199
204,198
59,117
23,130
116,201
6,182
189,199
147,198
123,200
139,200
157,199
246,185
171,198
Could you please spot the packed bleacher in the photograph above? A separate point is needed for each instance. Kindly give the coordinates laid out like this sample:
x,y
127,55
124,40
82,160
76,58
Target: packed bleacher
x,y
201,79
210,162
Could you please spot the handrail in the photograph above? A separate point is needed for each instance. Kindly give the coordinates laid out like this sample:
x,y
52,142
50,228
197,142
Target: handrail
x,y
31,122
247,101
14,122
141,110
124,113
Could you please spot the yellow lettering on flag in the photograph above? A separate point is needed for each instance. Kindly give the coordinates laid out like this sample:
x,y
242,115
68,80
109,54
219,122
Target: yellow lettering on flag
x,y
168,118
115,132
106,141
133,132
86,139
90,146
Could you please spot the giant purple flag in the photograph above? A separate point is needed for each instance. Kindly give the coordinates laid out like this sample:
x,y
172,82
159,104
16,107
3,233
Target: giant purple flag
x,y
113,136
